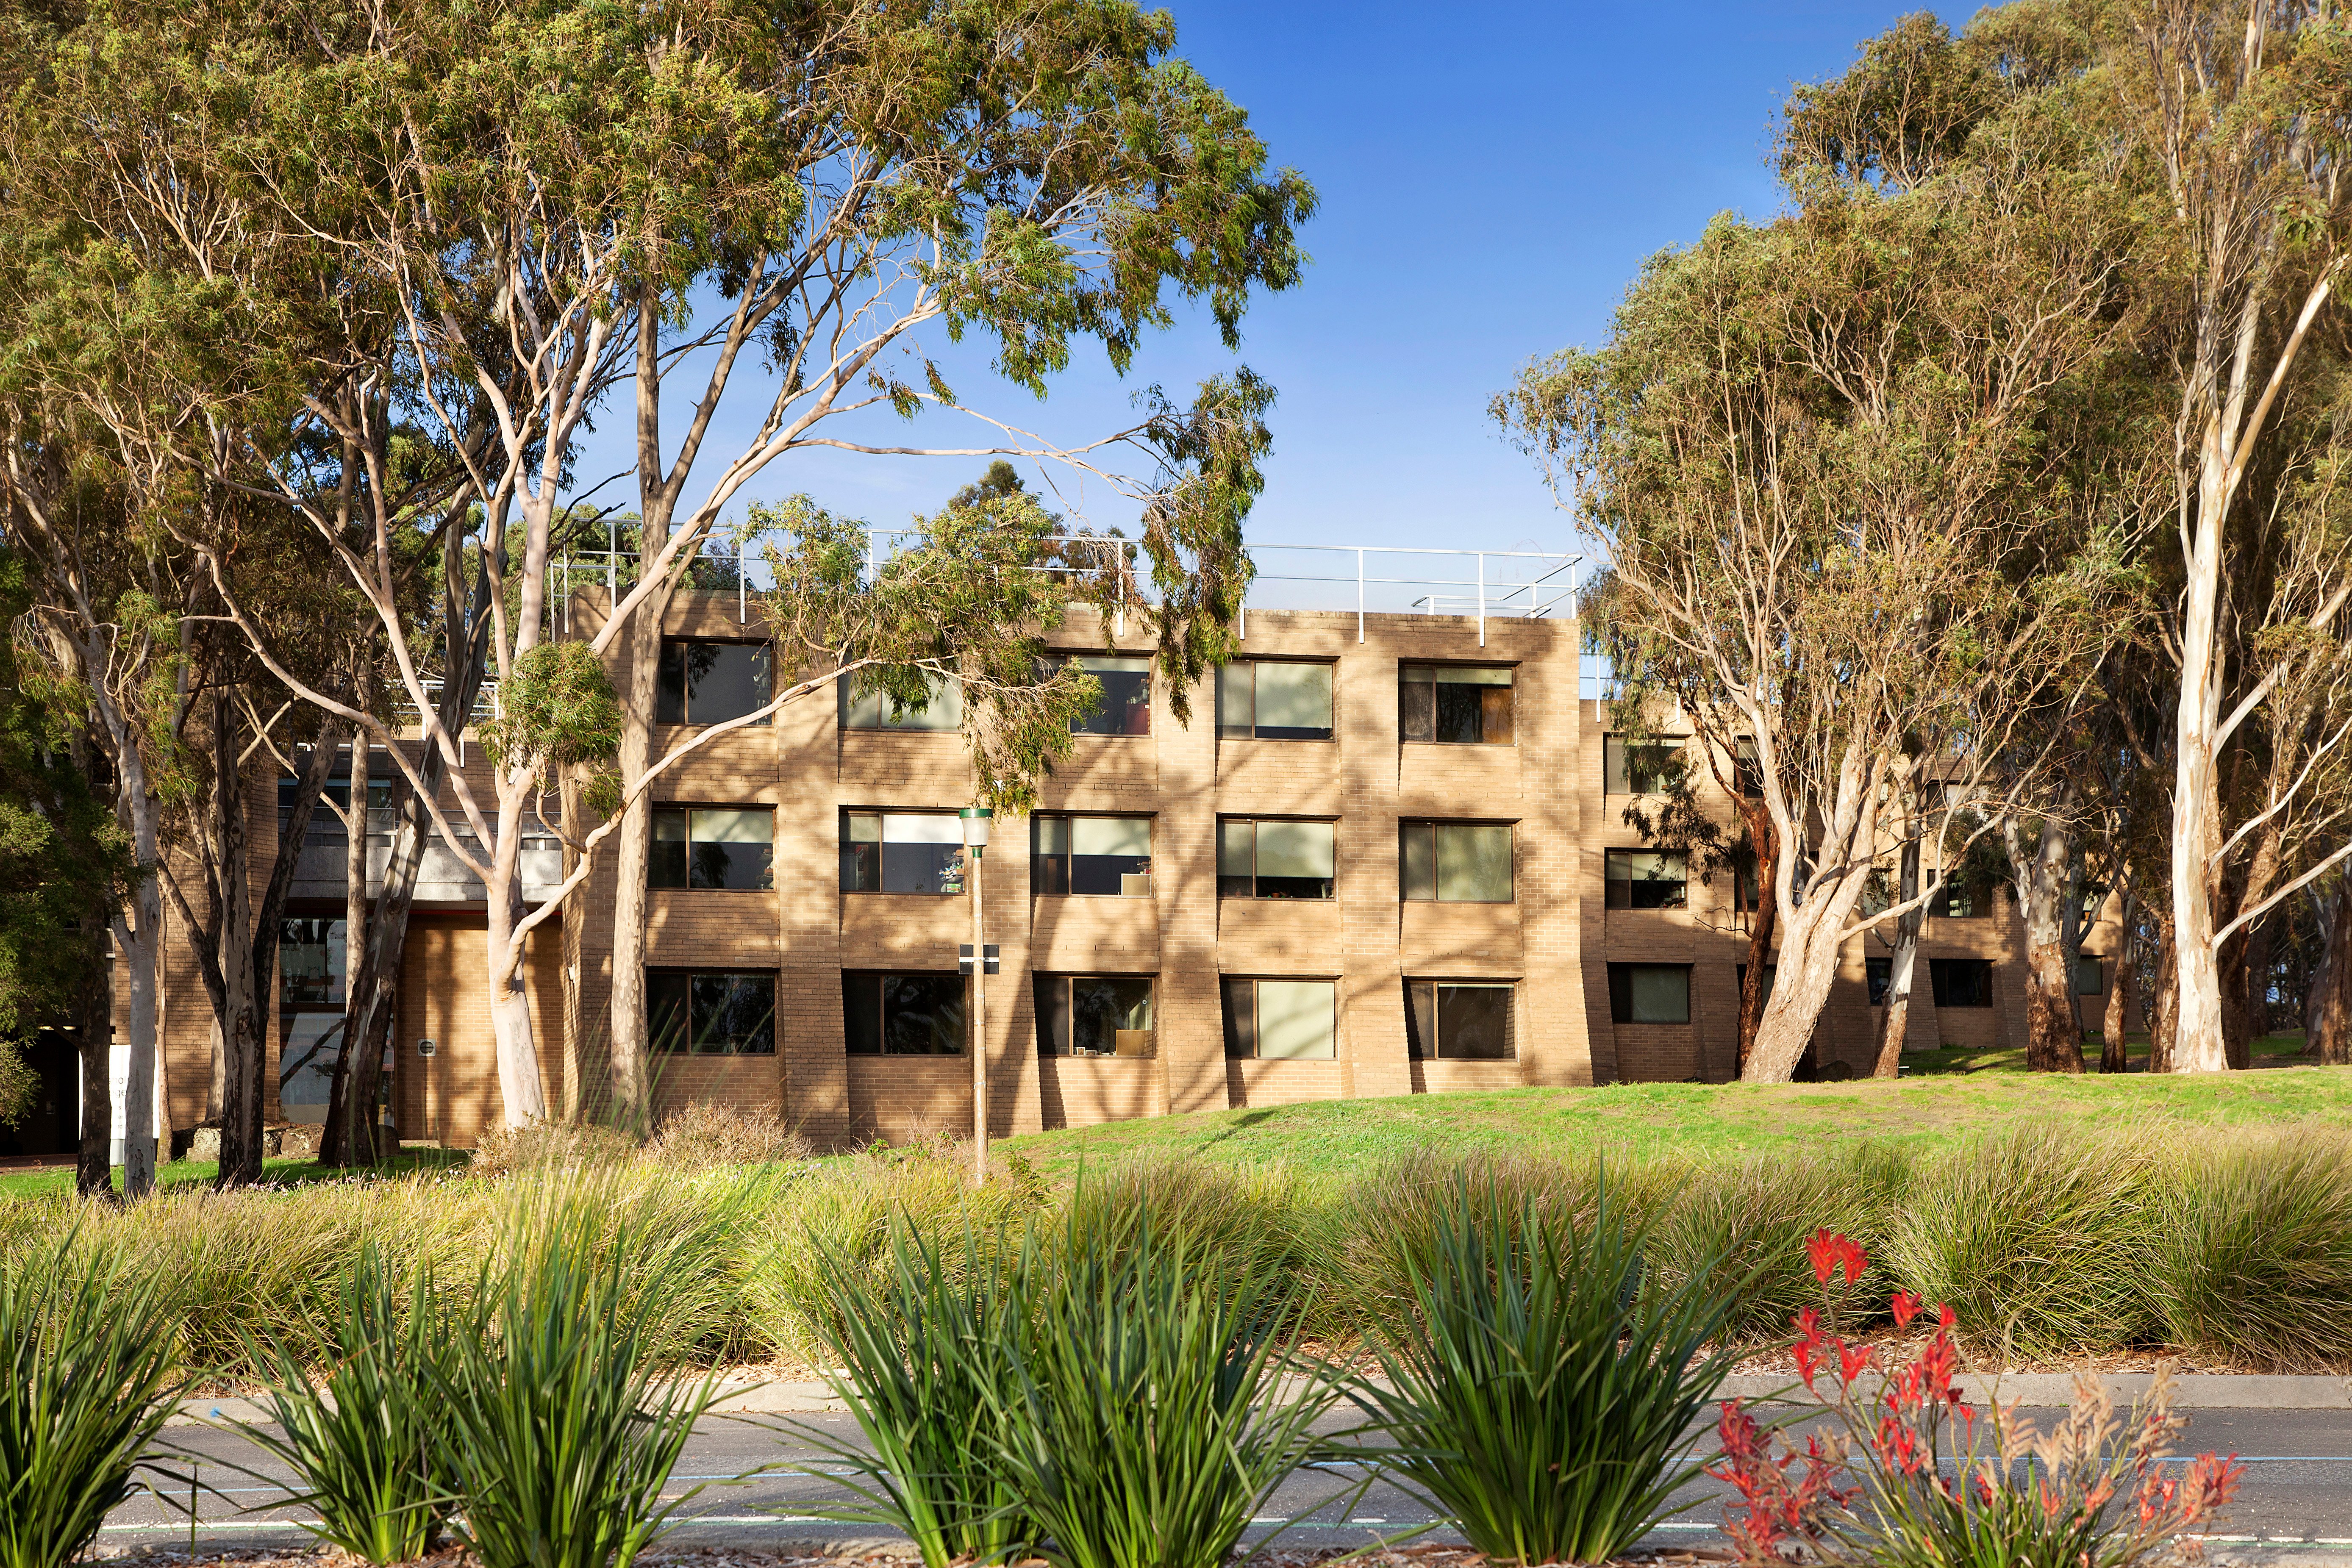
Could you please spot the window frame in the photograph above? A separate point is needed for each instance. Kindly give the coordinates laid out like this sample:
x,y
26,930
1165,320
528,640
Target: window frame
x,y
767,882
1228,731
880,977
1406,825
1066,1015
847,695
1038,857
686,688
1940,973
1331,883
1084,726
1256,1021
1616,764
657,974
1420,1050
1878,979
883,814
2095,966
1609,884
1510,706
1620,996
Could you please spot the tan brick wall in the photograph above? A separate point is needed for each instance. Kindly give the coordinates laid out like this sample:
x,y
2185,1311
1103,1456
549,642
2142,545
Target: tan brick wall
x,y
1553,939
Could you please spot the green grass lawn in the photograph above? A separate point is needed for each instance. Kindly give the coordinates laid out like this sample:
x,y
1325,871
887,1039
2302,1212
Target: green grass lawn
x,y
291,1170
1948,1096
1943,1097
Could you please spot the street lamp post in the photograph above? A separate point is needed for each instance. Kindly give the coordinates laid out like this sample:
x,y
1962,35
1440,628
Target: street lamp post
x,y
975,839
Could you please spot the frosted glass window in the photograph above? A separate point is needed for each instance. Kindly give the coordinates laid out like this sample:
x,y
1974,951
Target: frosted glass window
x,y
1275,859
1095,856
704,847
1296,1020
864,707
901,852
1275,699
1649,992
1456,862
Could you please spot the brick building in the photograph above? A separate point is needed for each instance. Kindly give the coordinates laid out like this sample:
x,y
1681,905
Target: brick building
x,y
1386,856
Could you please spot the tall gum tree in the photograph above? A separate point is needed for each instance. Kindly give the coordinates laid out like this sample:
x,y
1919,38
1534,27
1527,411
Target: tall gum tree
x,y
471,252
1799,452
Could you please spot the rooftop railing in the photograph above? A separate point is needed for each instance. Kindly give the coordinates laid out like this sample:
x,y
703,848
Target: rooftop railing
x,y
1369,579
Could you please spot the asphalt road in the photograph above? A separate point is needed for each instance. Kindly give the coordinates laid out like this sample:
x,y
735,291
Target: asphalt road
x,y
2295,1505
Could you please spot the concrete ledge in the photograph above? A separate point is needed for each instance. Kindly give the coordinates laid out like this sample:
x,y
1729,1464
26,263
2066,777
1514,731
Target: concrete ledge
x,y
2191,1390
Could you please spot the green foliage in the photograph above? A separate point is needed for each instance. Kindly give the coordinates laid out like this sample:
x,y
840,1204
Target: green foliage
x,y
928,1354
551,1425
361,1444
85,1378
557,709
64,865
2251,1258
1535,1391
1150,1416
2030,1238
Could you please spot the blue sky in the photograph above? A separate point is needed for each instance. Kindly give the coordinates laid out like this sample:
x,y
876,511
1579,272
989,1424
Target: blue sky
x,y
1491,176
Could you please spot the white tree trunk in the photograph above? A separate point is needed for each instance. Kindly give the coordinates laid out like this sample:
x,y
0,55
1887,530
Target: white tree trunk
x,y
140,940
2198,1045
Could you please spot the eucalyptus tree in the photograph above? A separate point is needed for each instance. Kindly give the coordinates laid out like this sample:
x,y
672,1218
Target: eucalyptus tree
x,y
1802,450
477,222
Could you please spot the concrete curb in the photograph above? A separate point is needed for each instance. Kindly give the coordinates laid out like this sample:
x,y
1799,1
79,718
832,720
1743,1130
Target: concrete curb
x,y
2191,1390
2049,1390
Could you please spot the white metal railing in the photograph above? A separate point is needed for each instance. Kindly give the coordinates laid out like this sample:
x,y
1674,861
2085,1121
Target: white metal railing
x,y
1512,583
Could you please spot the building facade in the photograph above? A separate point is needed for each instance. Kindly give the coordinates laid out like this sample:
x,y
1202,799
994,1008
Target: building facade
x,y
1386,856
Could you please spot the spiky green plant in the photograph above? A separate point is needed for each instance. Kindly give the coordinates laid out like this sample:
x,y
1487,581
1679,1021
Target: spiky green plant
x,y
554,1431
928,1349
86,1375
361,1442
1151,1413
1534,1392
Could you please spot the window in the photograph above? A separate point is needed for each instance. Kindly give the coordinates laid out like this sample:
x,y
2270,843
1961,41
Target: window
x,y
711,682
1649,992
310,962
1257,859
1090,855
1451,1020
1746,773
1646,880
1093,1016
1957,899
864,708
1746,884
339,790
1739,977
1962,982
1454,704
310,978
901,852
1639,767
1455,862
1125,708
703,1013
700,846
1880,973
902,1015
2088,980
1274,699
1281,1020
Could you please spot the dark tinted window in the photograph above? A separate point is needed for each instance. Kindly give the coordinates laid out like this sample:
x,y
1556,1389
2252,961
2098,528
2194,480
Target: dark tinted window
x,y
697,846
1454,704
903,1014
1646,880
1093,1016
711,682
1649,992
1125,708
1470,1021
707,1014
1962,982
